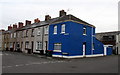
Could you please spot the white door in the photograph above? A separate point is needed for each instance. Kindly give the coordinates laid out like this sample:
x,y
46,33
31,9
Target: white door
x,y
84,49
105,50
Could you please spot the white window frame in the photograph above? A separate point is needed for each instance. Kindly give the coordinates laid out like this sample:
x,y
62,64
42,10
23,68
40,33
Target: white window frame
x,y
38,32
26,44
38,45
84,31
63,28
46,29
11,35
11,45
57,48
32,32
55,29
15,35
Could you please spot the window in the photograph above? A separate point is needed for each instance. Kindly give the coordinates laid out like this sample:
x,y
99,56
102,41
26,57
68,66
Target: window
x,y
11,35
5,45
32,33
46,30
11,45
22,34
38,32
27,44
0,45
14,35
26,33
84,30
18,34
93,46
39,45
63,28
57,47
55,29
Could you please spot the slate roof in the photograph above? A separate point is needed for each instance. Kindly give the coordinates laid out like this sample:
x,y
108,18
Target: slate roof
x,y
55,20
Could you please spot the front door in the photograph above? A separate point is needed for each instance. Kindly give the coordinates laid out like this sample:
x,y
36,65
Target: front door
x,y
84,49
46,46
32,47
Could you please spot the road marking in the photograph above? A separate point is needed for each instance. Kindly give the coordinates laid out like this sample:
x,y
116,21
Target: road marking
x,y
35,63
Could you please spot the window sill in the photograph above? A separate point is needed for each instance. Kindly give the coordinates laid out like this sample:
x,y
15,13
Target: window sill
x,y
85,34
55,33
62,33
57,51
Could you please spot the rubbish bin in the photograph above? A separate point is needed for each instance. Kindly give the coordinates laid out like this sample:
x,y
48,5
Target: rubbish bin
x,y
49,53
41,52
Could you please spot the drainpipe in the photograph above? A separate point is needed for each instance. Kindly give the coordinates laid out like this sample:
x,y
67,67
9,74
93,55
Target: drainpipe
x,y
42,37
92,40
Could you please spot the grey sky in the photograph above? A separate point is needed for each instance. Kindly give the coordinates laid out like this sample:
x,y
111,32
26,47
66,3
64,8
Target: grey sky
x,y
101,13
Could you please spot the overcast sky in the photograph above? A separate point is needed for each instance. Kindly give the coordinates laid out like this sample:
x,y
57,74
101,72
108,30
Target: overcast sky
x,y
101,13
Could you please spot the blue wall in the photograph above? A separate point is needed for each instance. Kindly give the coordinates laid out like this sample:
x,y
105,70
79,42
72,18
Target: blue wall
x,y
72,40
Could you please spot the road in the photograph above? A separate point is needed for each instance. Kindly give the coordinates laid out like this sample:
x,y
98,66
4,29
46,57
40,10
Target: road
x,y
13,62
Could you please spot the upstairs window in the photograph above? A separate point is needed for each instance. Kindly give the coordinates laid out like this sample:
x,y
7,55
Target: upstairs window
x,y
11,35
26,33
32,33
63,28
38,32
84,30
18,34
14,35
46,30
55,29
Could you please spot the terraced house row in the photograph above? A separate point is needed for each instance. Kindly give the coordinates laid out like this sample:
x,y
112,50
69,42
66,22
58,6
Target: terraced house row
x,y
65,36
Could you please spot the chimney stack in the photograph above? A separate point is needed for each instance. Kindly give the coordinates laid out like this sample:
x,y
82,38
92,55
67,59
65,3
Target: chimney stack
x,y
27,22
47,17
14,26
10,27
62,13
36,20
20,24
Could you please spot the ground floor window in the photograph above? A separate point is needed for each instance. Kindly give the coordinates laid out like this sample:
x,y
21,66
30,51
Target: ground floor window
x,y
39,45
57,47
5,45
27,44
11,45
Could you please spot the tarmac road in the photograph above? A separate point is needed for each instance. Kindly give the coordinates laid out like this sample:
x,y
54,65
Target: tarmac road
x,y
13,62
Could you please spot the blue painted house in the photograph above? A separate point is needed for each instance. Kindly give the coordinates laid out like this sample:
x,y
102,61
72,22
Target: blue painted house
x,y
71,37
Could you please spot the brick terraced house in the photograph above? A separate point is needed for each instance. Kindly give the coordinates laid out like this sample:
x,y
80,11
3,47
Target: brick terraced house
x,y
65,36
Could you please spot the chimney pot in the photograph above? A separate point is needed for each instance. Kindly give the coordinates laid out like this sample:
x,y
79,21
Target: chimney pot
x,y
47,17
14,26
10,27
27,22
20,24
62,13
36,20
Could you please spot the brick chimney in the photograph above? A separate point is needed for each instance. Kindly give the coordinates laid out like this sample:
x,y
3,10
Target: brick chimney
x,y
27,22
10,27
20,24
62,13
36,20
47,17
14,26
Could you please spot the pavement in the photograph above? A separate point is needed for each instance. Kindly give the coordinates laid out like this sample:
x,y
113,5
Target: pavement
x,y
13,62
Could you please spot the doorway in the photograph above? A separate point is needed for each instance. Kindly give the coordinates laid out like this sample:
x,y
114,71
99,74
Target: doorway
x,y
84,49
32,46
